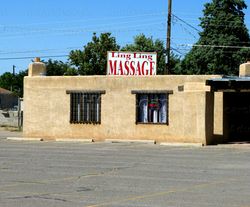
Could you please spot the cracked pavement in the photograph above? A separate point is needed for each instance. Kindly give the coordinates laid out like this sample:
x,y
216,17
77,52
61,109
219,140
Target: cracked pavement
x,y
104,174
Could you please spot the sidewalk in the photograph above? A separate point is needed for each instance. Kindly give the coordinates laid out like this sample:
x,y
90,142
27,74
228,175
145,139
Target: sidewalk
x,y
4,133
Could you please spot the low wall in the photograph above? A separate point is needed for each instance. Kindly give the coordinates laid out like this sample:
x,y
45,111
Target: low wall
x,y
9,118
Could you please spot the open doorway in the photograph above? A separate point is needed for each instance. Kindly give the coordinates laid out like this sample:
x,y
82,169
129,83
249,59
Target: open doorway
x,y
236,116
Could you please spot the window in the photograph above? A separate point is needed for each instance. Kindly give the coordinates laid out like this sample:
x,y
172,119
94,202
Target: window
x,y
152,107
85,107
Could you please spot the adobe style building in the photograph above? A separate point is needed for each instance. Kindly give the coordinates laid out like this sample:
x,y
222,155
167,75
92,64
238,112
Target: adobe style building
x,y
7,99
203,109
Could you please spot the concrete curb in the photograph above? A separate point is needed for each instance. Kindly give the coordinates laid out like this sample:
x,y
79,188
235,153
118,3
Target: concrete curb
x,y
181,144
129,141
41,139
75,140
110,141
23,139
231,146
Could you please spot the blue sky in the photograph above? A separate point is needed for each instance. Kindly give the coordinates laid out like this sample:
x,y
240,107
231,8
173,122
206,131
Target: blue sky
x,y
32,28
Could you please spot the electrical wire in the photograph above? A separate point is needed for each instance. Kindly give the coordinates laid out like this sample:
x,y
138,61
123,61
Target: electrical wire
x,y
91,19
191,26
38,51
138,21
31,57
218,46
101,28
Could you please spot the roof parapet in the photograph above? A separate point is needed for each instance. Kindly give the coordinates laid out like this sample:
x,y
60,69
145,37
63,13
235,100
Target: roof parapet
x,y
37,68
245,69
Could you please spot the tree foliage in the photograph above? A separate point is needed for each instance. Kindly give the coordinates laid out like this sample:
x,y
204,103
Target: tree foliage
x,y
13,82
223,40
147,44
92,60
59,68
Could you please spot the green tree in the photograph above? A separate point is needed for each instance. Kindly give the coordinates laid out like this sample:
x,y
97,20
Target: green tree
x,y
59,68
7,80
147,44
18,83
13,82
92,60
223,40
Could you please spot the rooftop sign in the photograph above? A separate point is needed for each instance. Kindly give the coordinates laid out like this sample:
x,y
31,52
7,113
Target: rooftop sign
x,y
131,63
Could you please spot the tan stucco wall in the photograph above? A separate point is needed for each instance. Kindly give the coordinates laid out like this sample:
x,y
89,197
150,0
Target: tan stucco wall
x,y
218,112
47,108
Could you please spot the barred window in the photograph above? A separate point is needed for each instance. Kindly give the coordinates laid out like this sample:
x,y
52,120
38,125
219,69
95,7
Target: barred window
x,y
85,107
152,107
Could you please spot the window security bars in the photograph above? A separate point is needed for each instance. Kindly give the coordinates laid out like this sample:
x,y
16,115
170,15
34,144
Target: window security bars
x,y
85,107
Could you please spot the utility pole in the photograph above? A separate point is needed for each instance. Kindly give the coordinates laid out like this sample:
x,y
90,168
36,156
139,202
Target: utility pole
x,y
13,70
168,69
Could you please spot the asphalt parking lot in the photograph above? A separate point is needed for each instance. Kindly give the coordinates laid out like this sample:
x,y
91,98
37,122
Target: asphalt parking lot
x,y
122,175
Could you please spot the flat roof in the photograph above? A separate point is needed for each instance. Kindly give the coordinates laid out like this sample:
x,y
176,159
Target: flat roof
x,y
229,83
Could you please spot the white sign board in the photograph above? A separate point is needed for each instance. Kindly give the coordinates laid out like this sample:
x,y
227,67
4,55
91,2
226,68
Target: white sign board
x,y
131,63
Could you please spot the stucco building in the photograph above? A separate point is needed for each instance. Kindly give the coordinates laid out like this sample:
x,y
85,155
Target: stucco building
x,y
171,108
7,99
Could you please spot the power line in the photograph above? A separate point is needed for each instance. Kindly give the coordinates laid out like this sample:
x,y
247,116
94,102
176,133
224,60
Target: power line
x,y
186,48
138,21
91,19
209,24
219,46
38,51
198,14
188,31
127,28
60,49
31,57
82,32
197,19
176,50
191,26
189,39
172,48
185,29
